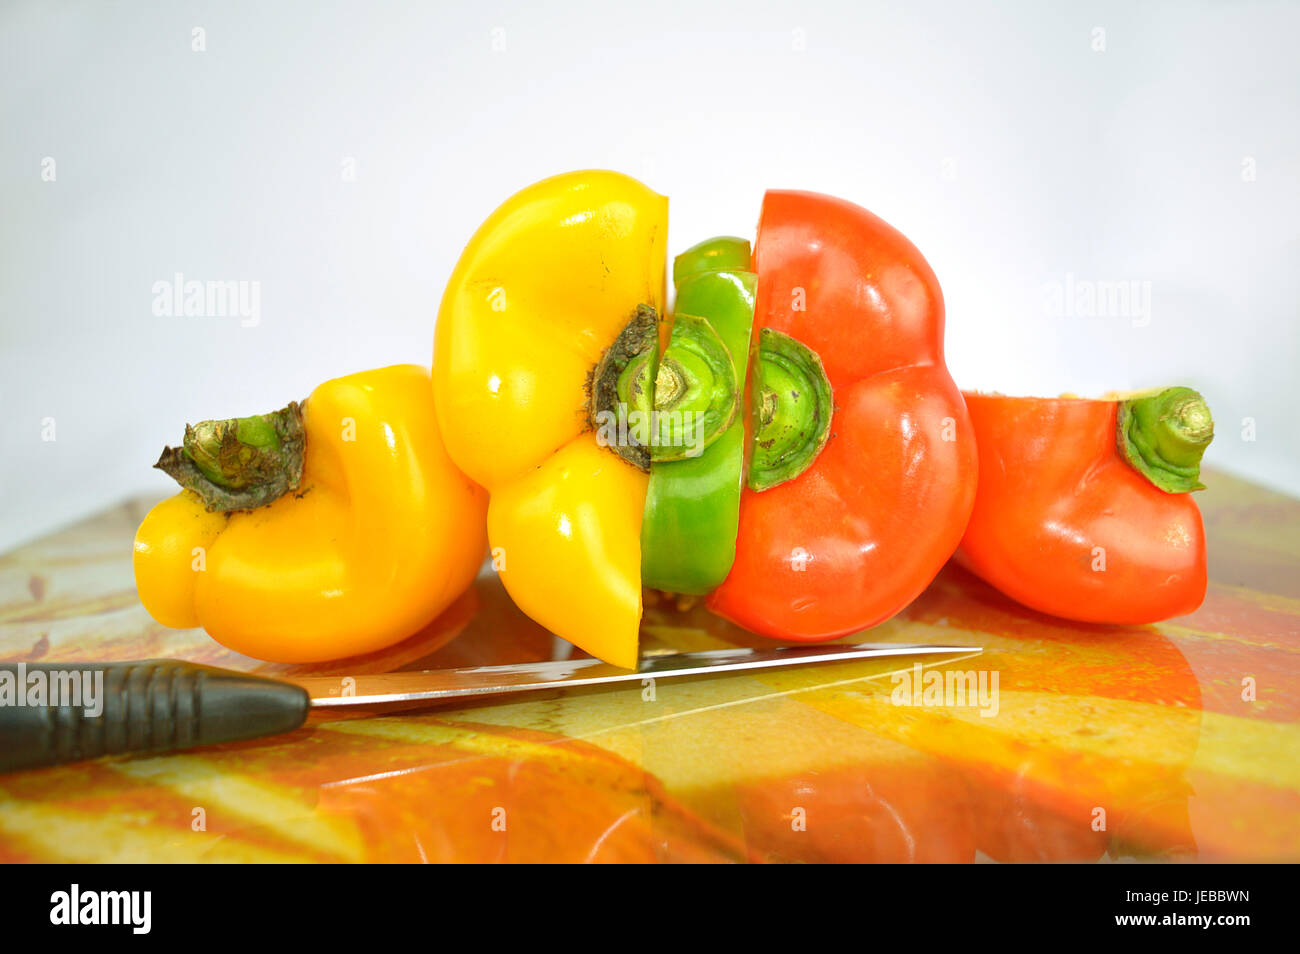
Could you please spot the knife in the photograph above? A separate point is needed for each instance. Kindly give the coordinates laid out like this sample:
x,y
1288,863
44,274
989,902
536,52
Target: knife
x,y
53,713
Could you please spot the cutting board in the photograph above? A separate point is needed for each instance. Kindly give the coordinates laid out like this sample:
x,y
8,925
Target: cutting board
x,y
1178,741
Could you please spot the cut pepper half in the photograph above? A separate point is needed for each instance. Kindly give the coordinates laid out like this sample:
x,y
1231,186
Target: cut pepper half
x,y
688,534
855,535
543,290
1084,508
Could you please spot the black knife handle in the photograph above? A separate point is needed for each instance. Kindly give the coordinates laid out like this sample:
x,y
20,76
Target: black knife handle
x,y
156,705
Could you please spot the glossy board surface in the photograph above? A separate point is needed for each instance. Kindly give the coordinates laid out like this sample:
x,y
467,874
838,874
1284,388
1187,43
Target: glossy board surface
x,y
1060,741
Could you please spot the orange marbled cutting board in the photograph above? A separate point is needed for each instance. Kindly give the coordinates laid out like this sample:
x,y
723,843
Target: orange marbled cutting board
x,y
1106,742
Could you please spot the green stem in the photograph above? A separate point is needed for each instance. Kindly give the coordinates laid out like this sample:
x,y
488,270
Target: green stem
x,y
695,394
1163,435
619,392
792,410
240,463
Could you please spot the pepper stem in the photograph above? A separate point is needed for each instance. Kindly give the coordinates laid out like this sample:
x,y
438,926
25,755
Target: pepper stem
x,y
1163,435
620,389
792,410
695,394
240,463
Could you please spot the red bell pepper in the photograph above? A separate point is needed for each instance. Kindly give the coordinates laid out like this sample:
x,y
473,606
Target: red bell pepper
x,y
858,534
1084,508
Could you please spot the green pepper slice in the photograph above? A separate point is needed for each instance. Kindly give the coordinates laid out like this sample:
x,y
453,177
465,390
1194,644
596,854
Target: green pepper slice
x,y
711,255
688,531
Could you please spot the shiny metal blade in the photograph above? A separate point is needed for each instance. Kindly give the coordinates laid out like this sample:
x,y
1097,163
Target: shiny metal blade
x,y
392,687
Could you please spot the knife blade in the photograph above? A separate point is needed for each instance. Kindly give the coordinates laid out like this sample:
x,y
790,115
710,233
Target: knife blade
x,y
53,713
394,687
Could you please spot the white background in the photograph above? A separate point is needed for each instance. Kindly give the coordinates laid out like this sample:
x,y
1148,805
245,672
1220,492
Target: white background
x,y
999,138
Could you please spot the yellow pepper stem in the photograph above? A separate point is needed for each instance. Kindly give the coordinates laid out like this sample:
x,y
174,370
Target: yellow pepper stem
x,y
619,389
239,463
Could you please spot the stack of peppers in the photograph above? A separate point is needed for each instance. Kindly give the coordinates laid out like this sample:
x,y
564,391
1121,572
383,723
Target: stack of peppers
x,y
787,444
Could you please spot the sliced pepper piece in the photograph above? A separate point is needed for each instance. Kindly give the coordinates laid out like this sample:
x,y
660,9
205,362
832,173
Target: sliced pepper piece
x,y
1083,509
569,550
857,535
368,534
542,291
688,533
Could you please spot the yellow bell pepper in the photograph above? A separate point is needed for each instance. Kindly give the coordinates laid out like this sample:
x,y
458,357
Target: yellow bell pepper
x,y
379,534
543,289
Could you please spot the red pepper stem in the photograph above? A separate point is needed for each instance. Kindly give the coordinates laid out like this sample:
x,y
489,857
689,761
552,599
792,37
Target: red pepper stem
x,y
792,410
240,463
1163,435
